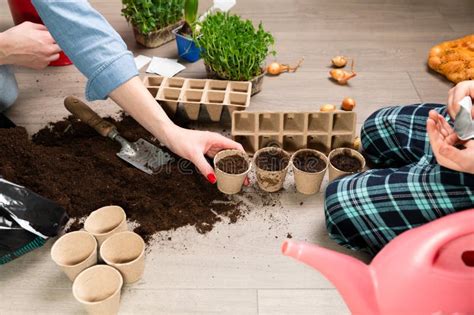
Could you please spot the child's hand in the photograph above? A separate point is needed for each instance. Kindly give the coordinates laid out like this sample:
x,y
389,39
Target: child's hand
x,y
457,93
443,142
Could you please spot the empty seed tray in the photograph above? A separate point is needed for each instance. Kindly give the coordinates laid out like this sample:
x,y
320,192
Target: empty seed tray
x,y
194,94
292,131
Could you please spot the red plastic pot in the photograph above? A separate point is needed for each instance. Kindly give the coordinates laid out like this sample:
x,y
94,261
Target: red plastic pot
x,y
23,10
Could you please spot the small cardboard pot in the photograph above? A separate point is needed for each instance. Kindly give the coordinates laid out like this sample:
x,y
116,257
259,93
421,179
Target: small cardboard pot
x,y
334,172
105,221
156,38
309,183
126,252
270,181
98,290
73,252
230,183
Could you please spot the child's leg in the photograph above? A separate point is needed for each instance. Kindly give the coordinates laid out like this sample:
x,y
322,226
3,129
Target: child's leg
x,y
396,136
365,211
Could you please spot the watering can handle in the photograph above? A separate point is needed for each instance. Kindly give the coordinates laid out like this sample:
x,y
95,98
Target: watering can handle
x,y
441,232
82,111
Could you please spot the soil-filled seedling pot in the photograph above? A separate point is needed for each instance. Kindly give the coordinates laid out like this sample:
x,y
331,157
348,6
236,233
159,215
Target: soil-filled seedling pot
x,y
187,48
73,252
231,168
104,222
271,165
309,167
126,252
98,290
156,38
344,161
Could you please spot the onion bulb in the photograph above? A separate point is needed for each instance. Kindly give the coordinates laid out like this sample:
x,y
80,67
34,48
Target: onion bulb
x,y
327,108
356,144
276,68
341,76
348,104
339,61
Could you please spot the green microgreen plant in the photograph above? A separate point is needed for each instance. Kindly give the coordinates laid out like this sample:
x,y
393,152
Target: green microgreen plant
x,y
232,47
151,15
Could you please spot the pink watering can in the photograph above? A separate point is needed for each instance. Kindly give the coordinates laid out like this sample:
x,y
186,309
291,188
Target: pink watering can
x,y
426,270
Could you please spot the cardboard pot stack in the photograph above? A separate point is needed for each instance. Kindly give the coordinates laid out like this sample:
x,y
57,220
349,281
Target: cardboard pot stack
x,y
309,183
292,131
214,95
271,181
97,287
230,183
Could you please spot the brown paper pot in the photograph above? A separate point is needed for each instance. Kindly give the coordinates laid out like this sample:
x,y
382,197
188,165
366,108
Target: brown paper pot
x,y
74,252
270,181
333,171
309,183
156,38
230,183
126,252
104,222
98,290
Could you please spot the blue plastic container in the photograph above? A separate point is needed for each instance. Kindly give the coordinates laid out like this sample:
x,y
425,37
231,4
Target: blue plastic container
x,y
187,48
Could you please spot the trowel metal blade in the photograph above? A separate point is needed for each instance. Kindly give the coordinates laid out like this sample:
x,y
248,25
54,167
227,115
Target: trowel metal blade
x,y
145,156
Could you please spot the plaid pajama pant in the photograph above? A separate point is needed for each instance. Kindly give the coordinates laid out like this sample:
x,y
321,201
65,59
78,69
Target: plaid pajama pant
x,y
408,188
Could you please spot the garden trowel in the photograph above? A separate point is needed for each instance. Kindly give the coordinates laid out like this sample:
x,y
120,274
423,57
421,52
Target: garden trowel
x,y
141,153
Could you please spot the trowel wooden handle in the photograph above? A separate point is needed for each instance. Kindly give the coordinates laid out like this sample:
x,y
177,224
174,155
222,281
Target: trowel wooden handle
x,y
80,109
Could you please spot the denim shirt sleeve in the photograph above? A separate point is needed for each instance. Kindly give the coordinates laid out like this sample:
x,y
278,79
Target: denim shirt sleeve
x,y
90,42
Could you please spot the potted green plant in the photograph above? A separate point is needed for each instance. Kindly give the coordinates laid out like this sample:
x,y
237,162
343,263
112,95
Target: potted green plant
x,y
153,21
187,48
233,49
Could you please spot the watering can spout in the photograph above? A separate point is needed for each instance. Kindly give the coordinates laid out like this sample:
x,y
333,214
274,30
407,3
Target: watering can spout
x,y
351,277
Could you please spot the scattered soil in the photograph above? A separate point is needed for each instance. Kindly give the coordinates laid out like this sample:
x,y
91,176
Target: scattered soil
x,y
68,162
309,162
272,160
288,235
346,163
233,164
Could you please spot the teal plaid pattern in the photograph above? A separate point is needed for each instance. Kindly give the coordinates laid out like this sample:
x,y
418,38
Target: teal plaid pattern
x,y
406,188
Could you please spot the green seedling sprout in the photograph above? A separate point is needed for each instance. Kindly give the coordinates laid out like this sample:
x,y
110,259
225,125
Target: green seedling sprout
x,y
151,15
232,47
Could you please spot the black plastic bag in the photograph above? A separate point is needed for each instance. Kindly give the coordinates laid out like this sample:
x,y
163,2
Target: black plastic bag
x,y
27,220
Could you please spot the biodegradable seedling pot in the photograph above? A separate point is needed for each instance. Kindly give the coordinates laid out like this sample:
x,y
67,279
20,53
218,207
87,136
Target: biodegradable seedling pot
x,y
126,252
104,222
308,171
158,37
272,178
257,82
98,290
335,172
74,252
230,182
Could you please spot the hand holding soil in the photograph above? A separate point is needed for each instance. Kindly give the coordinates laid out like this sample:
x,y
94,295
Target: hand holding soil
x,y
28,45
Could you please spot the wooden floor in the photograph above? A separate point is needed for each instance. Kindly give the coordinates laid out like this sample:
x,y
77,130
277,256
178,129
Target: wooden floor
x,y
238,269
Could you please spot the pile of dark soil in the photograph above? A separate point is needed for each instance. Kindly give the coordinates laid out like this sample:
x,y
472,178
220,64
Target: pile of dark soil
x,y
346,163
233,164
272,160
68,162
308,162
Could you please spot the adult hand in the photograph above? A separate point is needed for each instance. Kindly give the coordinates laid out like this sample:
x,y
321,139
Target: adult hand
x,y
445,145
457,93
194,144
29,45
